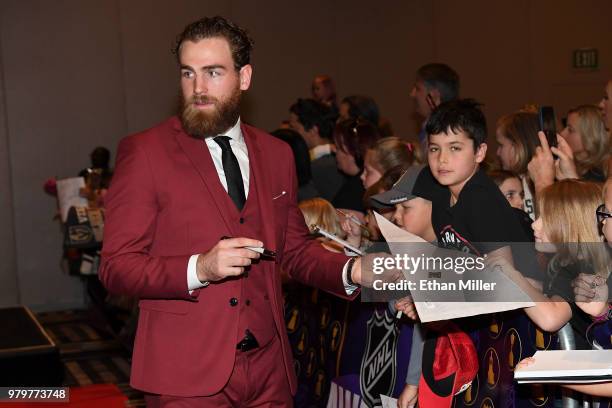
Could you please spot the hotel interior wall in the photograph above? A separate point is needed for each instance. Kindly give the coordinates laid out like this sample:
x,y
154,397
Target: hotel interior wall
x,y
77,74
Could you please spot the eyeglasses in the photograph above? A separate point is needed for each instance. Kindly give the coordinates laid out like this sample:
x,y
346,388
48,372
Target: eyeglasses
x,y
602,213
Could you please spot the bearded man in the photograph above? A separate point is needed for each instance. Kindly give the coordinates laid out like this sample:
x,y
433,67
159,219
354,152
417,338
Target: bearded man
x,y
211,330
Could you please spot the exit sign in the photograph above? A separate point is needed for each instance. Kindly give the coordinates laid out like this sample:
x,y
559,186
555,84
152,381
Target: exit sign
x,y
586,58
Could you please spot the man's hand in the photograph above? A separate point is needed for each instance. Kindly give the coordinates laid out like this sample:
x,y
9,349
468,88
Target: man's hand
x,y
366,279
227,258
408,397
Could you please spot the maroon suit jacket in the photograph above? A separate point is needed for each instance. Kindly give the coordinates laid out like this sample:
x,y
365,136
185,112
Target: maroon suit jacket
x,y
165,204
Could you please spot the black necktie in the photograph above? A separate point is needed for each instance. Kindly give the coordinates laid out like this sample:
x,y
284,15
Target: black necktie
x,y
233,177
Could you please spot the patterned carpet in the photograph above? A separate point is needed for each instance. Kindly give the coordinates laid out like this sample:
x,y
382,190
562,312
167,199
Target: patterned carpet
x,y
91,354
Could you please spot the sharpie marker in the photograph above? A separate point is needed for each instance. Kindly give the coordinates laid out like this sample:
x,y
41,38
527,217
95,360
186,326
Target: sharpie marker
x,y
262,250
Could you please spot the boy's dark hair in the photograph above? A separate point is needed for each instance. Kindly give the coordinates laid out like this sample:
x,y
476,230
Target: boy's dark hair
x,y
441,77
364,107
239,41
313,113
456,116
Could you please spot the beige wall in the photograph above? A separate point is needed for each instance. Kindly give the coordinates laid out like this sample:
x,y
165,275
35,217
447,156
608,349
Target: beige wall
x,y
77,74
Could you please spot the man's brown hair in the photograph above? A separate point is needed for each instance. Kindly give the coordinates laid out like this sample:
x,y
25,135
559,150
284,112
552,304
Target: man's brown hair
x,y
239,41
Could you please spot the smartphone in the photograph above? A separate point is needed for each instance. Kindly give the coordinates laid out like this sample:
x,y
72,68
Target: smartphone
x,y
548,124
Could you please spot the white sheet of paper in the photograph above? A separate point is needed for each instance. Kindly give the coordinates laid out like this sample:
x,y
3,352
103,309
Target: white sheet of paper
x,y
68,194
435,311
557,365
388,402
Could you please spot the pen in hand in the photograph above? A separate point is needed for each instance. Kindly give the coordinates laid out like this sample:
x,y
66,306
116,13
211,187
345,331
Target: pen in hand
x,y
263,251
260,250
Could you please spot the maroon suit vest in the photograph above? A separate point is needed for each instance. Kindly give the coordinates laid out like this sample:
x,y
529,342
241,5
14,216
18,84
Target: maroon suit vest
x,y
254,303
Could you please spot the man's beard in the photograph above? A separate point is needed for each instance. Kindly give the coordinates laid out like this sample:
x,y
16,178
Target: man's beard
x,y
201,124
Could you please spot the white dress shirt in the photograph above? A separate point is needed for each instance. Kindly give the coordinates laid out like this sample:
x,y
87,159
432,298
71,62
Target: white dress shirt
x,y
320,151
241,152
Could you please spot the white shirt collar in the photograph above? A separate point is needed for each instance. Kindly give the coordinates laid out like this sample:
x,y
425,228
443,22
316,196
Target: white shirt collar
x,y
320,151
235,133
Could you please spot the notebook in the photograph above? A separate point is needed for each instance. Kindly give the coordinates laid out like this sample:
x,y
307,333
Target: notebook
x,y
567,366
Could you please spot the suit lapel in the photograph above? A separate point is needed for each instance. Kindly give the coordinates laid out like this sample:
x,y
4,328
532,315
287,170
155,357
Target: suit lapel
x,y
199,155
264,195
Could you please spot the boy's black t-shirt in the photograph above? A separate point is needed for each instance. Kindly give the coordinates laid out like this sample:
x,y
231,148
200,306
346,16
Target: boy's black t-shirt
x,y
480,216
482,221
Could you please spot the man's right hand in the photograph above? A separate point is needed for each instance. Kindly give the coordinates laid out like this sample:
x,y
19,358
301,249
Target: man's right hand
x,y
227,258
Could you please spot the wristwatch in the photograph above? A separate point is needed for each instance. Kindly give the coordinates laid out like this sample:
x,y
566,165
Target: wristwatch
x,y
349,271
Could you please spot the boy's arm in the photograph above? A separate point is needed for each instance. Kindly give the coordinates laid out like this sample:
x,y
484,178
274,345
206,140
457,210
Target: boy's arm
x,y
416,356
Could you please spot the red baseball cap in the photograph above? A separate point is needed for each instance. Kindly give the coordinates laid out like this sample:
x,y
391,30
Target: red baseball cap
x,y
450,364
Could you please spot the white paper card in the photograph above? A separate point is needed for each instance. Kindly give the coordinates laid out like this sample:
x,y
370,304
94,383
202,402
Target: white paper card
x,y
68,195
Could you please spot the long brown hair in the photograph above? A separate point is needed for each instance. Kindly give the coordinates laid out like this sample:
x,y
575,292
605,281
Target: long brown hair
x,y
521,129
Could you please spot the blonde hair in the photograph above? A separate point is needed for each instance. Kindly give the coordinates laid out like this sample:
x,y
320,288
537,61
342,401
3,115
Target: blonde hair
x,y
567,208
318,211
390,152
521,129
594,137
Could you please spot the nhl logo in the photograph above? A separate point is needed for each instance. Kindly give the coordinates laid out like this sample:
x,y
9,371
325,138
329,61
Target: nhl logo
x,y
378,365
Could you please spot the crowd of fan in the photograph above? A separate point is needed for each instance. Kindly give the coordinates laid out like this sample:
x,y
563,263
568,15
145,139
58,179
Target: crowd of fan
x,y
347,157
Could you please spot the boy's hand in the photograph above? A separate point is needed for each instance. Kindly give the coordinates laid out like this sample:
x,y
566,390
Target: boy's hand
x,y
408,397
542,165
406,306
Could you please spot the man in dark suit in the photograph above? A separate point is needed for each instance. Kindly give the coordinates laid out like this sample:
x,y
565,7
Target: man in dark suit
x,y
211,330
315,122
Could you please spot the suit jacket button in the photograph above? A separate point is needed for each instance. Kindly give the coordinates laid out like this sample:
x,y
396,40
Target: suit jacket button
x,y
233,301
241,220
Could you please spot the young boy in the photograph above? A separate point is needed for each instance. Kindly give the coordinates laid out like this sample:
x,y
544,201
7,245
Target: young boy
x,y
411,196
472,214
